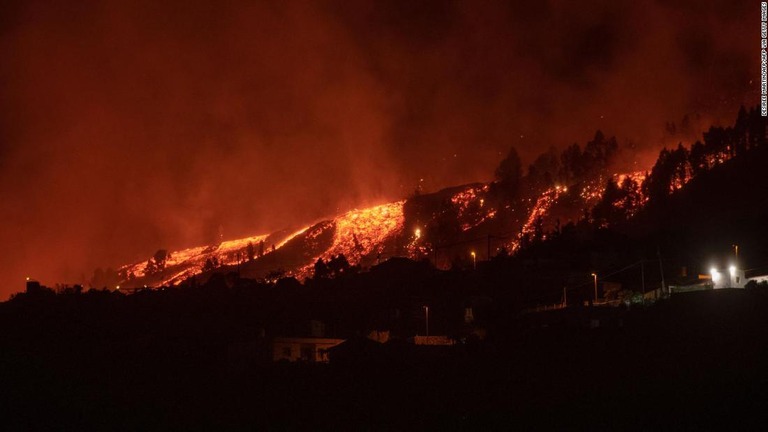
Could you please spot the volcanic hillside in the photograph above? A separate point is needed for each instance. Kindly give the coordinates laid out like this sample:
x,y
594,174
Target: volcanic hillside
x,y
460,224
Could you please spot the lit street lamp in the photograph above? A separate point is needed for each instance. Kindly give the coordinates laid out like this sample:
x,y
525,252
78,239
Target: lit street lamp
x,y
594,275
736,250
474,260
565,298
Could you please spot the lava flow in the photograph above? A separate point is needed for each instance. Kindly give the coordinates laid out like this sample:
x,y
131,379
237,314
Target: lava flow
x,y
367,236
361,233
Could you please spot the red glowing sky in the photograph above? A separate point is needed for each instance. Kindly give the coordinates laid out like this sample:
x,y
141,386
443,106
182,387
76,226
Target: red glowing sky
x,y
129,126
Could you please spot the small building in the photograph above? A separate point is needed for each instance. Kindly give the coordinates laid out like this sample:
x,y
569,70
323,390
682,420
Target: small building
x,y
310,345
433,340
305,349
732,277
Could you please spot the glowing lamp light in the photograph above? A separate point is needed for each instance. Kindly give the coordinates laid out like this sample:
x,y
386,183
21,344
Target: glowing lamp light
x,y
732,270
715,275
27,278
417,233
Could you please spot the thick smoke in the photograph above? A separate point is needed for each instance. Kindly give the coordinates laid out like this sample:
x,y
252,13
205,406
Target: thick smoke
x,y
129,126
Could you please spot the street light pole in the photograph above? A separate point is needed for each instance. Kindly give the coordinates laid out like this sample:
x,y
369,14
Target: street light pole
x,y
565,298
474,260
426,313
594,275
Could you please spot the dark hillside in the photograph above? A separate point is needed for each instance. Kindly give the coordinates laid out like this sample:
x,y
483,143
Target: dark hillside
x,y
725,205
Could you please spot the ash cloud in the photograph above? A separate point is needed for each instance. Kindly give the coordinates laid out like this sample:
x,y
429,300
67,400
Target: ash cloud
x,y
126,127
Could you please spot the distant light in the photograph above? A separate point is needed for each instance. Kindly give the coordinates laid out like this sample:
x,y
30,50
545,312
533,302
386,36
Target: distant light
x,y
27,278
473,254
732,269
715,274
417,233
118,287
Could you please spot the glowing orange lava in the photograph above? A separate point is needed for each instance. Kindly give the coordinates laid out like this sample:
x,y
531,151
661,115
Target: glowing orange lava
x,y
360,233
541,208
471,207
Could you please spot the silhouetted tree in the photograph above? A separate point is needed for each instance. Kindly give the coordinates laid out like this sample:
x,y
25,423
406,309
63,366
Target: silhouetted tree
x,y
150,268
160,257
670,172
592,162
250,252
608,211
509,173
544,171
598,154
756,131
698,158
321,269
571,169
209,265
338,265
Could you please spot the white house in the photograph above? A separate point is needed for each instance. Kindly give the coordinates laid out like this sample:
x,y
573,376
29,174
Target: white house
x,y
307,349
731,277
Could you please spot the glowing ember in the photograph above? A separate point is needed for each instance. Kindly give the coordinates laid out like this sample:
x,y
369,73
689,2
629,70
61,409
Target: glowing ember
x,y
592,191
464,199
470,207
638,177
541,208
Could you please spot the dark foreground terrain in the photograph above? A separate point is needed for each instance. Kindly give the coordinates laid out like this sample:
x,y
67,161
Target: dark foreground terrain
x,y
696,361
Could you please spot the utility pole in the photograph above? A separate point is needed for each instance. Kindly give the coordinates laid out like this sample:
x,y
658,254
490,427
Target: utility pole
x,y
594,275
426,314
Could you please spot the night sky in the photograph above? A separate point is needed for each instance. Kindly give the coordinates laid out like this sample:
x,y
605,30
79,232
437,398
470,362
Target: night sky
x,y
130,126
